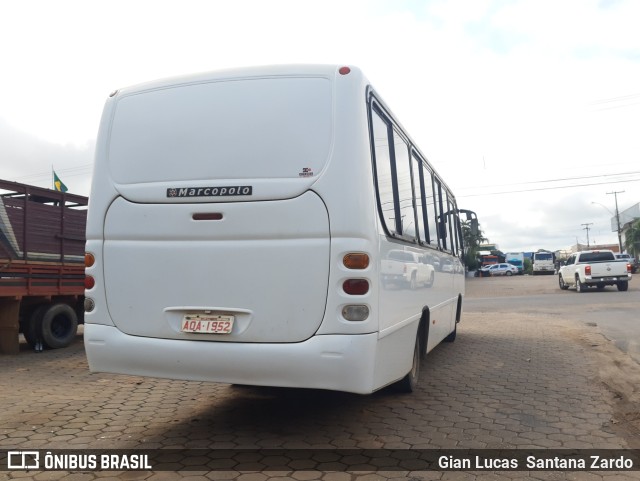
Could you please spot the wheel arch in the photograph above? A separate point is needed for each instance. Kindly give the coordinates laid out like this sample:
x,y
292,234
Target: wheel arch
x,y
423,331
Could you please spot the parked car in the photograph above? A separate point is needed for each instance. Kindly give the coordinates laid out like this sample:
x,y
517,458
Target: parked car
x,y
630,260
503,269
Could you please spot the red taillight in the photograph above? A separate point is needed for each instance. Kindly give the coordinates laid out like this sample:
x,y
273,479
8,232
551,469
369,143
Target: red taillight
x,y
629,268
89,282
587,270
356,287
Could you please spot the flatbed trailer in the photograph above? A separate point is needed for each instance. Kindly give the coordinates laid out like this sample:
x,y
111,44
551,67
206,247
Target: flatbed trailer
x,y
42,236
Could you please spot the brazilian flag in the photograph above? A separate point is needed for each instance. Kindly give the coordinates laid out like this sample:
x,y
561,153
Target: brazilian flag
x,y
57,183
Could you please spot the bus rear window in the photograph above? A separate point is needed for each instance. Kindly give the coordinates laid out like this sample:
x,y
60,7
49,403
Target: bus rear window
x,y
235,129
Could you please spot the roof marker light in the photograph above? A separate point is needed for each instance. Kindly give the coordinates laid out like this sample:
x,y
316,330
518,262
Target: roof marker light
x,y
344,70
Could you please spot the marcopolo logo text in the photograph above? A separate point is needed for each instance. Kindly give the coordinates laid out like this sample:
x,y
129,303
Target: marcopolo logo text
x,y
210,191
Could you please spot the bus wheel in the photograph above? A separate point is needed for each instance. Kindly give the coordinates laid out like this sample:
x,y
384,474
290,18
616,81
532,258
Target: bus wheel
x,y
59,326
410,381
452,335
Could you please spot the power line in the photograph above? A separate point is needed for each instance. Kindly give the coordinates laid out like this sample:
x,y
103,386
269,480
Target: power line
x,y
83,169
555,180
549,188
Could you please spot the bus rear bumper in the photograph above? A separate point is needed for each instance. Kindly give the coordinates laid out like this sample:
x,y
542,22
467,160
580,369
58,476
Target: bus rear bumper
x,y
333,362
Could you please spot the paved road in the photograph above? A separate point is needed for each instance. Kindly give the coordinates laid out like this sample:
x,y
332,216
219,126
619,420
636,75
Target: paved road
x,y
615,313
526,380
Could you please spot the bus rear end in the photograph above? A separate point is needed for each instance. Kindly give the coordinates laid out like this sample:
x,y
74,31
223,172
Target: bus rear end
x,y
213,250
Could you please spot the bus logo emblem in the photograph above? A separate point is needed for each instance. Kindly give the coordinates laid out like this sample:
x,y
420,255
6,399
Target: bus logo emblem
x,y
234,190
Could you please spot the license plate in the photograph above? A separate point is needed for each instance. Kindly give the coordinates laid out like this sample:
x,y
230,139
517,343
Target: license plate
x,y
207,323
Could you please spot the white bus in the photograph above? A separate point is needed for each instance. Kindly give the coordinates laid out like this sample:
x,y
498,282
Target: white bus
x,y
241,223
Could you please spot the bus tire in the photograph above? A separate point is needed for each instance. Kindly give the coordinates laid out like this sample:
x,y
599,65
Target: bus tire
x,y
452,335
59,326
409,383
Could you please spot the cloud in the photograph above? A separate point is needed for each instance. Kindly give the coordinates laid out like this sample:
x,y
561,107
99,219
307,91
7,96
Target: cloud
x,y
29,160
492,91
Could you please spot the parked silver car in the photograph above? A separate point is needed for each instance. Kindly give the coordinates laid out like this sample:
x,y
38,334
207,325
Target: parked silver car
x,y
503,269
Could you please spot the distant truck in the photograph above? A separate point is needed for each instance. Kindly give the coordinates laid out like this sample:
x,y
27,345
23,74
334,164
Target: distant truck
x,y
515,259
486,259
42,237
543,263
596,268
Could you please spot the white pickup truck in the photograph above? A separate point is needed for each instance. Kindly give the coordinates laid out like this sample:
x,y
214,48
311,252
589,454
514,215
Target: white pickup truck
x,y
407,268
594,269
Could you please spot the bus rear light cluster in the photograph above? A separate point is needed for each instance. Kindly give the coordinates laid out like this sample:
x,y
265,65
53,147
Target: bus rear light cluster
x,y
356,260
89,304
355,312
356,287
89,259
89,282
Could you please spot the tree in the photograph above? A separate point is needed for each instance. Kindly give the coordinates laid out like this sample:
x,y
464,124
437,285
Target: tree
x,y
632,239
528,266
470,239
471,242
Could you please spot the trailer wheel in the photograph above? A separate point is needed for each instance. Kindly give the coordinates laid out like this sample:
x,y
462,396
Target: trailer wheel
x,y
59,326
32,329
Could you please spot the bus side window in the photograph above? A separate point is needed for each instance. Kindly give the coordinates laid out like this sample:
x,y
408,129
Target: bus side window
x,y
407,225
441,218
430,207
418,195
458,229
381,150
450,220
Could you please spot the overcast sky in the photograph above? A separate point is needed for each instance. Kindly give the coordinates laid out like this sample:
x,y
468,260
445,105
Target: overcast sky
x,y
515,103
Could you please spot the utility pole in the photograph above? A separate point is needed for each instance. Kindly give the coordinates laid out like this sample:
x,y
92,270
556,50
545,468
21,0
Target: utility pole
x,y
586,227
615,195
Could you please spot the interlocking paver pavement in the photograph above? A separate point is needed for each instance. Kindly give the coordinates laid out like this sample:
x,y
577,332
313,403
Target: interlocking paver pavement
x,y
507,382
